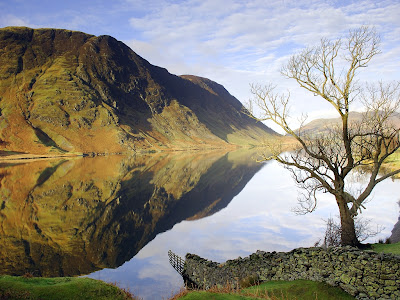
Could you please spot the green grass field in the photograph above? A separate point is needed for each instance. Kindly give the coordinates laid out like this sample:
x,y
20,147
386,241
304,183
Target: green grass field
x,y
387,248
278,290
58,288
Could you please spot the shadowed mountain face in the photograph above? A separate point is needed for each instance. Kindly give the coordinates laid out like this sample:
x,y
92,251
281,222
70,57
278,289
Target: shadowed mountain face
x,y
69,91
72,217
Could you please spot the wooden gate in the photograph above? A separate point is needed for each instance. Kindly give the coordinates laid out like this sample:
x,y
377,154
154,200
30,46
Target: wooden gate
x,y
176,261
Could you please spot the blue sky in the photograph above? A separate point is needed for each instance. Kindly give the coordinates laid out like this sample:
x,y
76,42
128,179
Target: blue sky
x,y
233,42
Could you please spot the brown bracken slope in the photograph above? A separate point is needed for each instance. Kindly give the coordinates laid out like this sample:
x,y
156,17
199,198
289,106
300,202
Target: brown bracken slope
x,y
69,92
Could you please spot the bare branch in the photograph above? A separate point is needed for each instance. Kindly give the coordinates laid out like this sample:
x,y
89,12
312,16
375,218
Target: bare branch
x,y
326,157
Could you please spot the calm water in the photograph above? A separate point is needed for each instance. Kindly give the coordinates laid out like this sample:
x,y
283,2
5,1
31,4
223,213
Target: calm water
x,y
115,218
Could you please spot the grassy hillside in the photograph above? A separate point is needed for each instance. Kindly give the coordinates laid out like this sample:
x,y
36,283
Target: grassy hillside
x,y
65,91
387,248
58,288
275,290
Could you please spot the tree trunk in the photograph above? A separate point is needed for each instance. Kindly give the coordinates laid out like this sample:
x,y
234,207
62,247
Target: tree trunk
x,y
348,232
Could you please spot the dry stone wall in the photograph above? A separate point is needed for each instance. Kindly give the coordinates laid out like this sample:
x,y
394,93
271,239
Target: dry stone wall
x,y
363,274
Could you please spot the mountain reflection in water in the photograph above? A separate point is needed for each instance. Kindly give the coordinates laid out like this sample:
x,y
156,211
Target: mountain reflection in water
x,y
76,216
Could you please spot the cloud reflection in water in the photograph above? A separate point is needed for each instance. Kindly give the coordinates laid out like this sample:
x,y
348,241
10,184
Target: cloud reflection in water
x,y
258,218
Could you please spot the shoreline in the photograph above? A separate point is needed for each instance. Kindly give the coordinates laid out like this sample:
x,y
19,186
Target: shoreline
x,y
21,157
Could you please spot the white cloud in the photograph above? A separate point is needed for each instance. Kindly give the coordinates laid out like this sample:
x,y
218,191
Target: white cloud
x,y
12,20
240,42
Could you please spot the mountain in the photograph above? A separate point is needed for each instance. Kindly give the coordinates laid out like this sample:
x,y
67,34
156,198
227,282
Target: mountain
x,y
319,125
65,91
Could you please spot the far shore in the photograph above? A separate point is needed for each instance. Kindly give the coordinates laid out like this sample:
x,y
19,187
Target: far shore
x,y
14,157
18,157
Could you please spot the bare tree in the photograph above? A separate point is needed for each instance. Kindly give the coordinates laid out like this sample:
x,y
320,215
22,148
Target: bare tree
x,y
323,159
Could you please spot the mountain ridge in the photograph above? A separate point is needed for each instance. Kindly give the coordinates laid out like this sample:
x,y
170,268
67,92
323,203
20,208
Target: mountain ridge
x,y
355,117
65,91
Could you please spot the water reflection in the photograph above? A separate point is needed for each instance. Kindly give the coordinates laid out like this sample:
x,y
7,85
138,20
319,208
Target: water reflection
x,y
72,217
258,218
120,215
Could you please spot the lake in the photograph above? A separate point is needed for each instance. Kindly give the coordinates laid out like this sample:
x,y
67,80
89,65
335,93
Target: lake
x,y
114,218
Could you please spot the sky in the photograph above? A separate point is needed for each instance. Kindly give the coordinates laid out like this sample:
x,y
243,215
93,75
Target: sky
x,y
233,42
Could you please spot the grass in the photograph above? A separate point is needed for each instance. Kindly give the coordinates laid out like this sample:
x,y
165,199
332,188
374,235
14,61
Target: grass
x,y
387,248
213,296
394,158
393,162
58,288
275,290
298,289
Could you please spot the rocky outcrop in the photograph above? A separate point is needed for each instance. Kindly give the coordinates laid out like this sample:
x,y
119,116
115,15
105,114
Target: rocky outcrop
x,y
364,274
